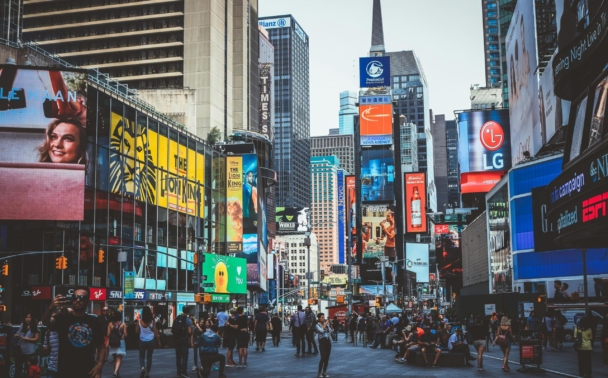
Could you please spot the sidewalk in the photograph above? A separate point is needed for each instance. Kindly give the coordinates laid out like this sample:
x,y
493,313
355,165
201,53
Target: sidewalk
x,y
564,362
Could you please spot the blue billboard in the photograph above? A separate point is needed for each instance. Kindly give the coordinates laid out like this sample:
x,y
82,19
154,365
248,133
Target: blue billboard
x,y
341,225
374,71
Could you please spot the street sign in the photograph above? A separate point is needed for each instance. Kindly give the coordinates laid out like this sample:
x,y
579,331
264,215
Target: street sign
x,y
207,284
357,280
427,296
314,282
446,303
204,277
347,292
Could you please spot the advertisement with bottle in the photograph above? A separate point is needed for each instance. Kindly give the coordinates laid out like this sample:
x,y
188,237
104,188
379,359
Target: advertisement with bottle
x,y
415,202
377,175
378,231
43,143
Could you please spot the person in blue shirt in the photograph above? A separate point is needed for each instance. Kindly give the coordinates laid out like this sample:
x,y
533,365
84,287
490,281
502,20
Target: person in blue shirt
x,y
208,349
532,322
380,337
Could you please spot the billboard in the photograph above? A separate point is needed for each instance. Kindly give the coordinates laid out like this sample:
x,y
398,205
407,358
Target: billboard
x,y
499,241
544,230
523,82
417,260
448,255
479,182
226,274
375,71
44,149
266,100
292,219
275,23
378,230
376,124
234,203
442,229
484,141
351,216
554,112
377,175
415,202
341,215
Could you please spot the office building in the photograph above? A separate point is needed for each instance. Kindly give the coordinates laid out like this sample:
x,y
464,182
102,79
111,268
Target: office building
x,y
335,131
324,174
298,256
348,111
491,34
291,109
195,61
341,146
451,130
409,145
445,140
486,98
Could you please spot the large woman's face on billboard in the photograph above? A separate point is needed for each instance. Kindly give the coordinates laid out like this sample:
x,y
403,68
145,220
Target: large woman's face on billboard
x,y
64,143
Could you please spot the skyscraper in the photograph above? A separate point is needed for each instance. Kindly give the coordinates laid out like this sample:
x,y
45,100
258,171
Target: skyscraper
x,y
348,111
410,92
291,106
341,146
491,33
195,61
445,140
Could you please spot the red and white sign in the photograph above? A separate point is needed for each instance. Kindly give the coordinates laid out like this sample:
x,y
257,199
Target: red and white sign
x,y
442,229
98,294
431,277
492,135
40,293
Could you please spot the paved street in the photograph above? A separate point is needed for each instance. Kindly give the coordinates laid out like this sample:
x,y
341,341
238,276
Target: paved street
x,y
349,361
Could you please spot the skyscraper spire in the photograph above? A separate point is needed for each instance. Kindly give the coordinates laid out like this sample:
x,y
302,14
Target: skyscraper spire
x,y
377,31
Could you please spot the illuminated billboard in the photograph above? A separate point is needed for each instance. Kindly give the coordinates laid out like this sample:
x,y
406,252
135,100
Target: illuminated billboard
x,y
227,274
242,202
484,141
292,219
44,149
415,202
351,216
375,71
341,216
377,175
417,260
554,111
378,230
479,182
376,124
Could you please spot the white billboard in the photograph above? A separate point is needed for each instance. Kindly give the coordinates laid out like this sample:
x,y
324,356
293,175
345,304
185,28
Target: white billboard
x,y
417,260
522,62
554,111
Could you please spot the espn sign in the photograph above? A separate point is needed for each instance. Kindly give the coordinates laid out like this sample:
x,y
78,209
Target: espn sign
x,y
595,207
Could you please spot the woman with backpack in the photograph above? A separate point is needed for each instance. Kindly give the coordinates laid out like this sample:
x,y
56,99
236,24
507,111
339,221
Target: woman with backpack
x,y
148,339
504,336
117,333
27,337
583,343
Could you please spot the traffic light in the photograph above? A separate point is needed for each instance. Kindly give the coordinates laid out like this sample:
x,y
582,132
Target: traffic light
x,y
2,308
61,263
206,298
340,299
195,258
101,256
5,269
198,298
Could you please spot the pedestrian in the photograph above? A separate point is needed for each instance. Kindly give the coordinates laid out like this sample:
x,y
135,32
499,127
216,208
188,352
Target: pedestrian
x,y
559,332
197,331
478,333
299,325
547,329
208,347
504,336
51,349
81,337
147,331
182,334
242,340
260,325
117,333
230,332
584,348
352,326
604,340
532,322
33,368
456,344
222,318
105,320
311,322
27,336
277,325
294,332
323,330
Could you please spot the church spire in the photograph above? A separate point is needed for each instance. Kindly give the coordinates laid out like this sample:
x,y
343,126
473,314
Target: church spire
x,y
377,31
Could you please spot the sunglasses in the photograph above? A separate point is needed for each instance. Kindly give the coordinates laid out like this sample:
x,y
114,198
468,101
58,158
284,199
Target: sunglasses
x,y
81,298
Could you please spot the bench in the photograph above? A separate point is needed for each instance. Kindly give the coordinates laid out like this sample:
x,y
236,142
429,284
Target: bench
x,y
447,359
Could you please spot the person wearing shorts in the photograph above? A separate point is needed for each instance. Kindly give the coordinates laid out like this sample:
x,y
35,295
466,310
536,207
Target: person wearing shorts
x,y
478,333
242,339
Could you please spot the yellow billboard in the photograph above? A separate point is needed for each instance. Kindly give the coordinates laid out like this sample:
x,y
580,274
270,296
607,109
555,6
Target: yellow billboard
x,y
234,203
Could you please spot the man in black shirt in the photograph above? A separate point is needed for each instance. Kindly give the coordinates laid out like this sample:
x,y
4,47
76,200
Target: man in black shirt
x,y
242,339
81,336
230,334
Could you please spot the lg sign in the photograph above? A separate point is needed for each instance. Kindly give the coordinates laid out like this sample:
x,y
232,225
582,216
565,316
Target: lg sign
x,y
492,138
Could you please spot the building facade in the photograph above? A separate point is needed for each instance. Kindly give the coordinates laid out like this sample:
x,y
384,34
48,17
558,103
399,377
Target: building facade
x,y
451,129
324,173
440,157
196,61
298,257
348,111
491,34
291,107
341,146
486,98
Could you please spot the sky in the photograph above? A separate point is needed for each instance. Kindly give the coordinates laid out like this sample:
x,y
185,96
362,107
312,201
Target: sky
x,y
446,35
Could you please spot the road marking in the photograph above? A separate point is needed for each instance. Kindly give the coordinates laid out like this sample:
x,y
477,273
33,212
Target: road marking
x,y
517,363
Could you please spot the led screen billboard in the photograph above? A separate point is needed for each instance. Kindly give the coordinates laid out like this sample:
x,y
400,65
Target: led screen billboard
x,y
376,124
351,216
377,175
554,111
375,71
417,260
43,143
341,216
227,274
523,82
378,230
484,141
292,219
242,202
415,202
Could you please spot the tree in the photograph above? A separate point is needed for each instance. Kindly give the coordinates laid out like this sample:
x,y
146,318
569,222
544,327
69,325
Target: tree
x,y
214,136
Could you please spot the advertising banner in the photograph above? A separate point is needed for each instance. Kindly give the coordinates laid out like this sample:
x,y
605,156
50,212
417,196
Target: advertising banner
x,y
378,230
266,100
376,124
448,253
499,243
523,82
375,71
275,23
442,229
43,143
479,182
129,278
351,217
415,200
234,203
484,142
292,219
417,260
544,230
554,111
377,175
341,216
227,274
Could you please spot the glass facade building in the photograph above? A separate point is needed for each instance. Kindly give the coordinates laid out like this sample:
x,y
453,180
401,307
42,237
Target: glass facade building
x,y
348,111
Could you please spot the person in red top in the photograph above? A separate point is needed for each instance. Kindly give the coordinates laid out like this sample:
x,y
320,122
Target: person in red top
x,y
34,370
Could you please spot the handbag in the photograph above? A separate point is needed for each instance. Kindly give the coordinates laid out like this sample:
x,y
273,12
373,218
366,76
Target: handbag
x,y
501,339
269,326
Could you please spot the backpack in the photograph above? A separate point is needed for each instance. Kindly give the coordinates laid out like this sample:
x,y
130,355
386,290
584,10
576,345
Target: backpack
x,y
114,339
180,327
207,345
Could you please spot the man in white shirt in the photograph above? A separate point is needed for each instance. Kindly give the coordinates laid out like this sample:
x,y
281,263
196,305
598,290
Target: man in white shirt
x,y
222,318
395,319
300,330
456,344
